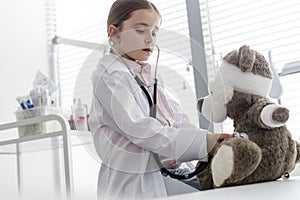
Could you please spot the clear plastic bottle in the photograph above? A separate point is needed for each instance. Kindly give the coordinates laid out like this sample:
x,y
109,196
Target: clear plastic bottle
x,y
80,116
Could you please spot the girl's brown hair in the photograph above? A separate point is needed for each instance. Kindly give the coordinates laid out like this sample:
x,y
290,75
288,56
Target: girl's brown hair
x,y
121,10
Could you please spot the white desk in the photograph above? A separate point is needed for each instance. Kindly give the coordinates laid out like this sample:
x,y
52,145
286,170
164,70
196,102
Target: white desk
x,y
275,190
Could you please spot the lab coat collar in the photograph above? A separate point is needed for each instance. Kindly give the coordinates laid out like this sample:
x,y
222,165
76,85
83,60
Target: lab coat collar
x,y
113,63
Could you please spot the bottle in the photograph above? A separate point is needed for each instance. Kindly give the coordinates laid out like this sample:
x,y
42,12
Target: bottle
x,y
71,119
80,116
87,117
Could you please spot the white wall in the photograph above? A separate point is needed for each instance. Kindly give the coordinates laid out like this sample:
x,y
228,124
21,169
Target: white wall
x,y
23,50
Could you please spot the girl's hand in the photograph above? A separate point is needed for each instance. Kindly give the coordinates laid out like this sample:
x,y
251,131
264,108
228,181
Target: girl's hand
x,y
214,140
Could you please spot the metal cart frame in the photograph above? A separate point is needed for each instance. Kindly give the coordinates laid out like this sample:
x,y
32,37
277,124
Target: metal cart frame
x,y
64,132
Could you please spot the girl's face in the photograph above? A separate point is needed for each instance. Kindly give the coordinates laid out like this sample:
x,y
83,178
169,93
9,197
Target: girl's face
x,y
136,39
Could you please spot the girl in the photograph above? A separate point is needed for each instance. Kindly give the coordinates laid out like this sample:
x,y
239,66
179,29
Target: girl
x,y
124,134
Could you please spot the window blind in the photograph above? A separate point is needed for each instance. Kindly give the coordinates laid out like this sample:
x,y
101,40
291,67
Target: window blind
x,y
264,25
83,21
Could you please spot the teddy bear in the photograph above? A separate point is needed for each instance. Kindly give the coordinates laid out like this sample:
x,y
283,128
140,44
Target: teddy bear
x,y
267,151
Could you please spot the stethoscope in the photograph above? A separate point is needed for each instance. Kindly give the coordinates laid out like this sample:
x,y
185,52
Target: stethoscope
x,y
152,102
153,108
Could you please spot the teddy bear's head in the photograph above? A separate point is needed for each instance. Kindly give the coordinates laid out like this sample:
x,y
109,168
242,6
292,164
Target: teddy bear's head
x,y
242,71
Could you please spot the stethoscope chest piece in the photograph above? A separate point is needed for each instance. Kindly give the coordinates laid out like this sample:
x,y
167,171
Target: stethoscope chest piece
x,y
241,135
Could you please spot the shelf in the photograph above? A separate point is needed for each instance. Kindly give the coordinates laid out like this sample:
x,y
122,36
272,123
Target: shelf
x,y
42,141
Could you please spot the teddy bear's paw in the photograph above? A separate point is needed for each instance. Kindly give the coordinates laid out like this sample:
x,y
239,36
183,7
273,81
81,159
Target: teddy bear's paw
x,y
235,160
280,115
222,165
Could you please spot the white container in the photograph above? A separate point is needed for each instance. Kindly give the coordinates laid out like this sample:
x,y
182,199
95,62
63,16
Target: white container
x,y
37,128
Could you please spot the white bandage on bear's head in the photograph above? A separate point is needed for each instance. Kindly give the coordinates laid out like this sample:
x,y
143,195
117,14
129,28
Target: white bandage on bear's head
x,y
247,71
244,81
244,70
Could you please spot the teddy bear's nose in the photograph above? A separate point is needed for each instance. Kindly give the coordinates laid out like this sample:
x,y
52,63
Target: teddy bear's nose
x,y
200,104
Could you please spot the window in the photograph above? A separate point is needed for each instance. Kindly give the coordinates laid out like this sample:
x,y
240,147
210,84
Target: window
x,y
83,21
269,25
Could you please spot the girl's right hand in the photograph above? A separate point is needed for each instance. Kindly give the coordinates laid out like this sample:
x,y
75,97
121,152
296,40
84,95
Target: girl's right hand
x,y
214,140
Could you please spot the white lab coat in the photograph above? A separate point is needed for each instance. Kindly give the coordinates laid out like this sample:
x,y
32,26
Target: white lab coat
x,y
124,135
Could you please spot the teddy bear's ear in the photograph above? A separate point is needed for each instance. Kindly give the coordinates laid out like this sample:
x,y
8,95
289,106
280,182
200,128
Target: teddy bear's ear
x,y
247,58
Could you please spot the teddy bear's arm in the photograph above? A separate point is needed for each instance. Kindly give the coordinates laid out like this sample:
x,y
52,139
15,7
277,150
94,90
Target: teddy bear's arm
x,y
274,115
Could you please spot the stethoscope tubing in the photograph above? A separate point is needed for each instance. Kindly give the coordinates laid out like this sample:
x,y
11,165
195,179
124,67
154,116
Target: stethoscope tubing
x,y
153,108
